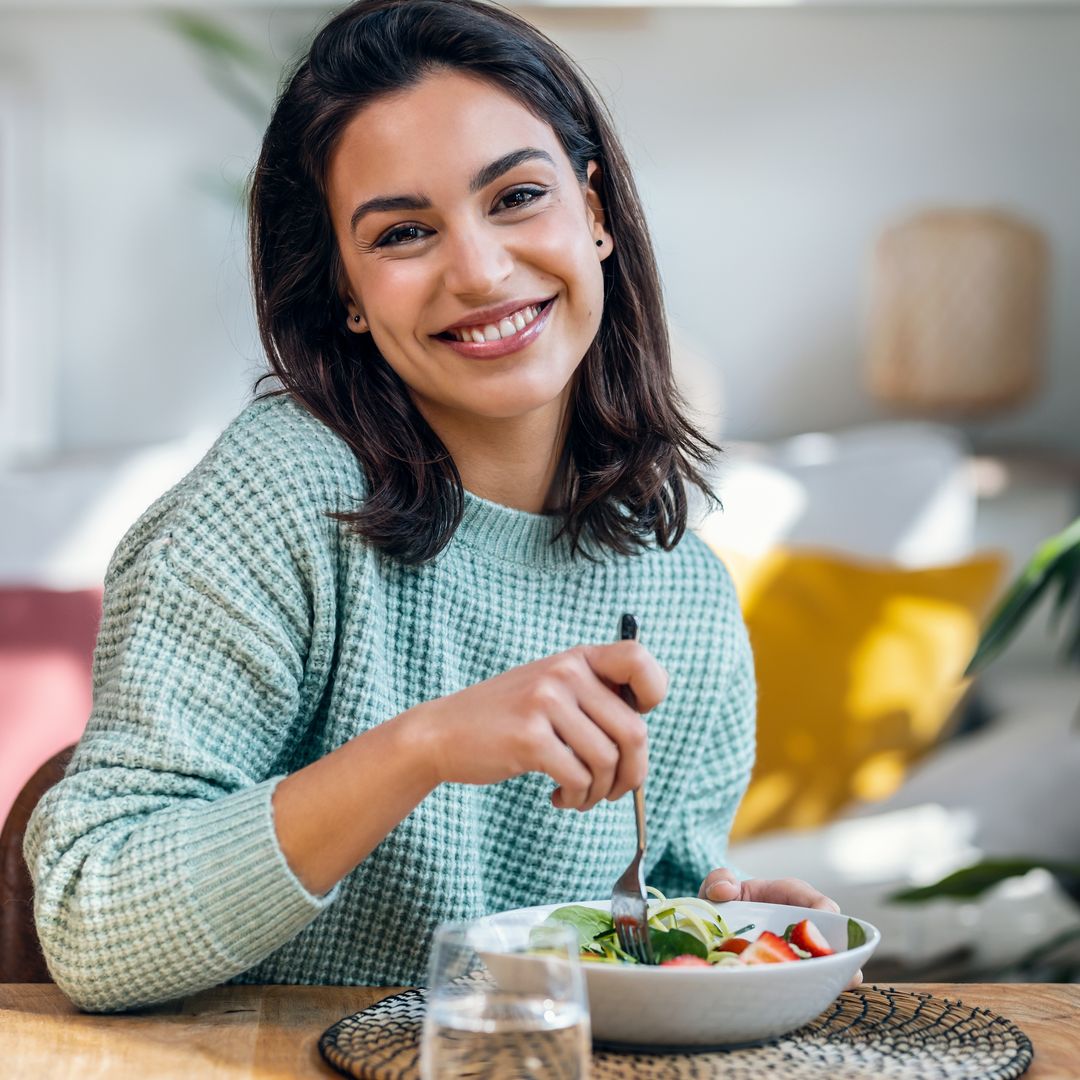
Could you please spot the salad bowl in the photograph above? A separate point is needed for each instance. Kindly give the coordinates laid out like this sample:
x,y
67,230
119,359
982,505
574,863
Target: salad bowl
x,y
706,1006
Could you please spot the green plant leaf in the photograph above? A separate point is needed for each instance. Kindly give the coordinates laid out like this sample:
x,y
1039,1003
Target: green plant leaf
x,y
1068,581
214,40
1071,649
242,73
856,935
1042,952
254,105
972,881
1057,561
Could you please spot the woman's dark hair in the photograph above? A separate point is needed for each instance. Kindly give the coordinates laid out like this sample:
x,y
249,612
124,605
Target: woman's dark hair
x,y
630,449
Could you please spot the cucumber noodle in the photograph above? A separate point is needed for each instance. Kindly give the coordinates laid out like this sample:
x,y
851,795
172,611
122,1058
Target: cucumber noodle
x,y
689,914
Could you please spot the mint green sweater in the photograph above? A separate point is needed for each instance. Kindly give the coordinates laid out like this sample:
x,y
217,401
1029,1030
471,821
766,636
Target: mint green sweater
x,y
245,635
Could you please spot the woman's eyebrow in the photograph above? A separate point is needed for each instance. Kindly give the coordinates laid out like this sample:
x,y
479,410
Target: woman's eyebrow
x,y
489,173
504,164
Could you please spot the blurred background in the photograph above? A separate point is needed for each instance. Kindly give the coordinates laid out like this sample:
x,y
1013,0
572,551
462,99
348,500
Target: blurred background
x,y
867,217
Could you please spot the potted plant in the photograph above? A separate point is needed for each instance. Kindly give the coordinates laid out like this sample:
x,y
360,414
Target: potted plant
x,y
1054,567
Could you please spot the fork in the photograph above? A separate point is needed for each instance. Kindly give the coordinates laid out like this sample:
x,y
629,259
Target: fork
x,y
629,901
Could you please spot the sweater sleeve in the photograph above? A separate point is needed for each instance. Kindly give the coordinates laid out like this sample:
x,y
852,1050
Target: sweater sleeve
x,y
700,838
156,864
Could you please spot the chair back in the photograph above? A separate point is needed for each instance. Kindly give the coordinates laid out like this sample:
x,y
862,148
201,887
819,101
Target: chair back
x,y
21,960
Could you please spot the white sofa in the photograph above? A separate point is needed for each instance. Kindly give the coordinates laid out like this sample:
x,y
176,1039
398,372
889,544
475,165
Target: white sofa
x,y
913,494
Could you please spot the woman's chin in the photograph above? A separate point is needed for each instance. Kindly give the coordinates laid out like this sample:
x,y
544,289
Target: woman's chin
x,y
520,408
516,399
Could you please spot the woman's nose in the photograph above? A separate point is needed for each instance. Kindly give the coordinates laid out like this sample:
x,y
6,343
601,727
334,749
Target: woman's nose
x,y
477,262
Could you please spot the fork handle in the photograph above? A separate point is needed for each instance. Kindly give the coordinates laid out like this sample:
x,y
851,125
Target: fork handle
x,y
629,631
639,817
639,792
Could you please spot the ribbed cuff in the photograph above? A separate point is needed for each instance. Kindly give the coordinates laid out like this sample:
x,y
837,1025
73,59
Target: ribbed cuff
x,y
249,899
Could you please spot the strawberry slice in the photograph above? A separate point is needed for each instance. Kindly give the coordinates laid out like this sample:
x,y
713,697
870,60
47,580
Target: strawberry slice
x,y
733,945
768,949
810,939
686,960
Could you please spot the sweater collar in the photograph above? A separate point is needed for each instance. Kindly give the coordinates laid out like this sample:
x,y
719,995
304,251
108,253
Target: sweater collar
x,y
514,535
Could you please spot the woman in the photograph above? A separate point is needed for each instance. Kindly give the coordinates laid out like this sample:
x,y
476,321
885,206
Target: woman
x,y
356,668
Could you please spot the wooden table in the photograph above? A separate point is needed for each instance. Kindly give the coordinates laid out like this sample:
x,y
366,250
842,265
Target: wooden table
x,y
273,1031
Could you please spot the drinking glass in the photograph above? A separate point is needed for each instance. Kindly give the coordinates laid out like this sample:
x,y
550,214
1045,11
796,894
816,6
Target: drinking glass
x,y
506,1001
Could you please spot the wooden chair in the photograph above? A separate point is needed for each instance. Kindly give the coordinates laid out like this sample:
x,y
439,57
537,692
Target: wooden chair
x,y
20,954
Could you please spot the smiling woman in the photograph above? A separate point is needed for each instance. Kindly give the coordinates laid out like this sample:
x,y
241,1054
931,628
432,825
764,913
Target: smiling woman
x,y
469,177
503,217
342,663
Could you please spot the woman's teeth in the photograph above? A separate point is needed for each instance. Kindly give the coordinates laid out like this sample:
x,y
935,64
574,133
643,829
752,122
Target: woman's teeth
x,y
504,328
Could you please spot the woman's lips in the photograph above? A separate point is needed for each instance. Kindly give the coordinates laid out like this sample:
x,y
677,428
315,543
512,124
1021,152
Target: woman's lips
x,y
490,350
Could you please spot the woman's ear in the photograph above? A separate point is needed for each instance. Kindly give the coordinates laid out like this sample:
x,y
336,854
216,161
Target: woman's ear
x,y
355,317
594,206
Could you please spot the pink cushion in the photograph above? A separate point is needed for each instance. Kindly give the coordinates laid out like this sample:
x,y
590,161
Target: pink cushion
x,y
46,647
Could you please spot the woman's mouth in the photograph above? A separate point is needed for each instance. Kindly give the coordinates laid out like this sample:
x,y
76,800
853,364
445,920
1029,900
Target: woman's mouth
x,y
510,333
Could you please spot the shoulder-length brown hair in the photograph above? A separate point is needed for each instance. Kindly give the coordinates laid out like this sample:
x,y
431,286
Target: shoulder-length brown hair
x,y
630,449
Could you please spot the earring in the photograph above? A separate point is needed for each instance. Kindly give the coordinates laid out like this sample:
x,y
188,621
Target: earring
x,y
599,243
356,318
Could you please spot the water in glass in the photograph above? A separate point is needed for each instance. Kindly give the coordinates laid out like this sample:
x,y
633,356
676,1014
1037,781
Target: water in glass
x,y
499,1010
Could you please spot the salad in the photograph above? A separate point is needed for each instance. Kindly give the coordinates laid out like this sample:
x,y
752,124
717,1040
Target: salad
x,y
689,932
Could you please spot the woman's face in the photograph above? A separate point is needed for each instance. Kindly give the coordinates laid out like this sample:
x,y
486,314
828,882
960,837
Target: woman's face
x,y
469,249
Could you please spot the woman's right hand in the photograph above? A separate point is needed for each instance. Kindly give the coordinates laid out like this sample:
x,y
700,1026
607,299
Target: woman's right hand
x,y
561,715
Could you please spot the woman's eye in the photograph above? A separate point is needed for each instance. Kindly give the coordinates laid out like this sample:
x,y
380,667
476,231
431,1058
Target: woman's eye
x,y
408,234
403,234
514,200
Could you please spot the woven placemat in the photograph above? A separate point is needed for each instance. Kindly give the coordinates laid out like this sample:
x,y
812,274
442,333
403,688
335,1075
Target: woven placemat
x,y
870,1032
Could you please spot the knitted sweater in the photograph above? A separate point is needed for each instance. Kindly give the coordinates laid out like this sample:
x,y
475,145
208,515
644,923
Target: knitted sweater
x,y
245,634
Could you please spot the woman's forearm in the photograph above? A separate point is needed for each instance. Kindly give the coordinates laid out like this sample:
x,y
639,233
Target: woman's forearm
x,y
330,815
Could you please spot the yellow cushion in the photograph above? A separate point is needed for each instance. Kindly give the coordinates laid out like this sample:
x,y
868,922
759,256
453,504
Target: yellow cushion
x,y
859,666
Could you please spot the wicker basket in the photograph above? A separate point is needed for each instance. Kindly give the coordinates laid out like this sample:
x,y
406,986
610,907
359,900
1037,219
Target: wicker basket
x,y
956,322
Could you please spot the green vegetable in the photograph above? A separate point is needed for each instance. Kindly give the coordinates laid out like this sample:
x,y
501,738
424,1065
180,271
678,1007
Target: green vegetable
x,y
856,935
588,922
686,925
667,944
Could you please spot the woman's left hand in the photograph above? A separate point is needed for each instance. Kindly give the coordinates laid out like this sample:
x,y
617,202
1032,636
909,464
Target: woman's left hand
x,y
722,885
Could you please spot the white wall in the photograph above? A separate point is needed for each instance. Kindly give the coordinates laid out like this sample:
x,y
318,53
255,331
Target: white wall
x,y
771,147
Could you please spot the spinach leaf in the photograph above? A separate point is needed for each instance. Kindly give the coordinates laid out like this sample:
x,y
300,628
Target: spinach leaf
x,y
856,935
667,944
589,923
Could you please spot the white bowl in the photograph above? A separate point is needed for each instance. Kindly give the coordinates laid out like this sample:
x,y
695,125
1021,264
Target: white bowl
x,y
631,1005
